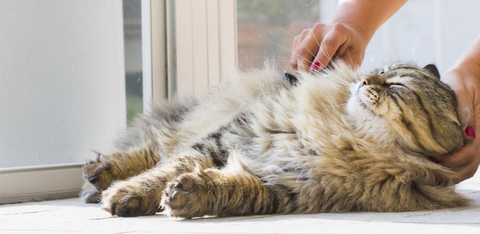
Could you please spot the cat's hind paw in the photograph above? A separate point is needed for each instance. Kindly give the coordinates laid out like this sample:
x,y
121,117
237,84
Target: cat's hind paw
x,y
89,194
189,195
127,199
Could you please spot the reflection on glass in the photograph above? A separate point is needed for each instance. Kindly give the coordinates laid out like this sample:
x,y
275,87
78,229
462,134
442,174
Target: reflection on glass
x,y
132,24
266,29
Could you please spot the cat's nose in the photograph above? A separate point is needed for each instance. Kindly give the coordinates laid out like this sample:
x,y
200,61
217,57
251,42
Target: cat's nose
x,y
364,82
371,80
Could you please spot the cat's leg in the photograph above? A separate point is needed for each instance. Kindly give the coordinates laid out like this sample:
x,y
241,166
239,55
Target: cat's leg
x,y
141,195
120,165
90,194
224,193
148,138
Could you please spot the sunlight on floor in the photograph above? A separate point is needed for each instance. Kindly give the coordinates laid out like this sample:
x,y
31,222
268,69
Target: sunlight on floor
x,y
72,215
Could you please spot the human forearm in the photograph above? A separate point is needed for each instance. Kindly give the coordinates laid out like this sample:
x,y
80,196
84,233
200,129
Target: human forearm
x,y
366,15
470,59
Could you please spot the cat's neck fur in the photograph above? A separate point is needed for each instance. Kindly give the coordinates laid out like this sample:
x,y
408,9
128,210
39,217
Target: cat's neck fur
x,y
371,129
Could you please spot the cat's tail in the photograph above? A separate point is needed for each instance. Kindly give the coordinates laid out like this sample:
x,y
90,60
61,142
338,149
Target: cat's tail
x,y
160,125
438,197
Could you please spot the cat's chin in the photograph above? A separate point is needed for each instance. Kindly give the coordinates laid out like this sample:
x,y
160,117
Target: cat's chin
x,y
356,107
362,104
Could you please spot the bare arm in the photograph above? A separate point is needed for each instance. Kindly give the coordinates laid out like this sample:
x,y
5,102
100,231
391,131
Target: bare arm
x,y
464,79
347,36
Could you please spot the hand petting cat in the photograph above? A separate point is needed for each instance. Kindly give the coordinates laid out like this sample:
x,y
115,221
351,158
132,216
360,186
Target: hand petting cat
x,y
352,28
464,79
314,48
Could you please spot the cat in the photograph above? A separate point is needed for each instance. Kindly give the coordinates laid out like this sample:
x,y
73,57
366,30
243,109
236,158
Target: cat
x,y
331,141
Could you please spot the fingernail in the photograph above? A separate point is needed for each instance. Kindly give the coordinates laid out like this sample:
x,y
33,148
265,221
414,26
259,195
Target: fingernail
x,y
469,131
315,66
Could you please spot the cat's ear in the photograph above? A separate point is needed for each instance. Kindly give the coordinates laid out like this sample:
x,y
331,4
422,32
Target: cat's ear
x,y
433,70
290,78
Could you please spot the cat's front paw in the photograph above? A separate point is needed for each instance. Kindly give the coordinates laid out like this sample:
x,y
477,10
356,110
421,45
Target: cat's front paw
x,y
98,172
189,195
129,199
90,194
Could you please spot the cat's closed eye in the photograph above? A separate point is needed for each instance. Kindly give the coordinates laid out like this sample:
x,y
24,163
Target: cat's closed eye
x,y
395,85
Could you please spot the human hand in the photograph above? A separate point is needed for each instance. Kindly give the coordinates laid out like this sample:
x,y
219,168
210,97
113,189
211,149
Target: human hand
x,y
467,90
314,48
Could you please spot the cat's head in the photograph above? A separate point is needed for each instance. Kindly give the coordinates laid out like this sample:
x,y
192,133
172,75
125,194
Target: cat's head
x,y
412,105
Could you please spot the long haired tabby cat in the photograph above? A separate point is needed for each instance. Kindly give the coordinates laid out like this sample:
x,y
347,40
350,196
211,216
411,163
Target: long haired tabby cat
x,y
334,141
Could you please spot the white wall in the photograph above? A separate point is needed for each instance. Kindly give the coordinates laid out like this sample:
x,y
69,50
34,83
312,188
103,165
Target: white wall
x,y
61,80
409,36
457,26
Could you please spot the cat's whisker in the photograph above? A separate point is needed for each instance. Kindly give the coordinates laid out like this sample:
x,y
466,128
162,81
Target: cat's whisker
x,y
291,50
310,27
287,32
305,67
351,62
316,40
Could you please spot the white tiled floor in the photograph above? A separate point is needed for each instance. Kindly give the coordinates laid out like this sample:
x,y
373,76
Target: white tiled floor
x,y
73,216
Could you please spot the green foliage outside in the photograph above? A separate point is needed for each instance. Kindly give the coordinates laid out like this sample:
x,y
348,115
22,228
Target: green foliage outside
x,y
277,12
134,106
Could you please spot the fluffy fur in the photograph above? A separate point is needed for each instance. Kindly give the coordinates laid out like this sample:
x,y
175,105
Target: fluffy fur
x,y
336,141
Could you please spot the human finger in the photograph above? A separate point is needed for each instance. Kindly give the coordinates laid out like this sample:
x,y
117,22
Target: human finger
x,y
297,40
353,58
460,158
306,52
329,46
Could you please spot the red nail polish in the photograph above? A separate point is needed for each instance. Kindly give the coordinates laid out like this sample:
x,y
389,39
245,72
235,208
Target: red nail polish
x,y
469,131
315,66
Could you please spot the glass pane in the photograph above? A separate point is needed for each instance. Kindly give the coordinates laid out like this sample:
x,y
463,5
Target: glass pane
x,y
62,85
266,29
132,25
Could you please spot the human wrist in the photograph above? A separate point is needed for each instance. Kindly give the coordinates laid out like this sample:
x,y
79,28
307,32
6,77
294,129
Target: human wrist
x,y
366,16
469,61
358,31
363,35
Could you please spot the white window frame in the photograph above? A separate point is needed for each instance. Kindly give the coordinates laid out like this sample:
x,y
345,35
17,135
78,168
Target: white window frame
x,y
154,52
40,183
201,46
206,43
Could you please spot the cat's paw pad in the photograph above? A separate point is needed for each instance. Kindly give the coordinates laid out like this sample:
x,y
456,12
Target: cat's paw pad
x,y
98,172
125,199
188,196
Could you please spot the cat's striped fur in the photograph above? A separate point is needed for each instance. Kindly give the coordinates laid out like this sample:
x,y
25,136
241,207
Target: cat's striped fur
x,y
330,142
